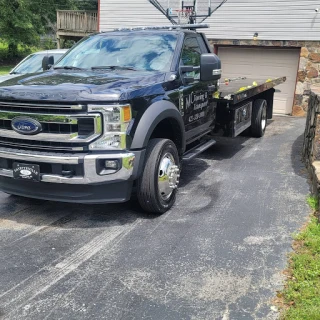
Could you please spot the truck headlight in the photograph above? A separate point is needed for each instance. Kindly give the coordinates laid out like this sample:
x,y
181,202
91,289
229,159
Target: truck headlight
x,y
116,119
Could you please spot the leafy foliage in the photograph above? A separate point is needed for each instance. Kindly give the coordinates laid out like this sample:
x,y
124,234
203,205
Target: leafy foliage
x,y
22,52
23,21
87,4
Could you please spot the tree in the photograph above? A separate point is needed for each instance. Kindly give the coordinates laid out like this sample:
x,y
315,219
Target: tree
x,y
87,4
23,21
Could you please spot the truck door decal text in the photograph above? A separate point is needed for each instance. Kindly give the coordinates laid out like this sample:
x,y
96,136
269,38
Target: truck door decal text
x,y
196,105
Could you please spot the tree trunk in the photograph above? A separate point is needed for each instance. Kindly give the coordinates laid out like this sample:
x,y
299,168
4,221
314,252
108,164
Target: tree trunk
x,y
12,50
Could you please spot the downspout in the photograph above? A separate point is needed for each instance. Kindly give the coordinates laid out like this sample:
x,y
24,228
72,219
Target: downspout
x,y
99,15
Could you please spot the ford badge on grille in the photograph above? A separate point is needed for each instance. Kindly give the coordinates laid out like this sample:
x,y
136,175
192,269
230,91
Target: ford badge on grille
x,y
26,126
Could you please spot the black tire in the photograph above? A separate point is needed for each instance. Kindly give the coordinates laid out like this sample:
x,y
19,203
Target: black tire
x,y
148,190
259,118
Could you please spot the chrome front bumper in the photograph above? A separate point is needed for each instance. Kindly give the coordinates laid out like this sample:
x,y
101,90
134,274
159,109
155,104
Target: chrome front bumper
x,y
88,161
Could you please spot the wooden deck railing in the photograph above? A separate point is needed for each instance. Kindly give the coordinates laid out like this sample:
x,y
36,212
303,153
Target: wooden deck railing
x,y
77,21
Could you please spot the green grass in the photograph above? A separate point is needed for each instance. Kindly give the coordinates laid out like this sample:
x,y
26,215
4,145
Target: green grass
x,y
302,291
313,202
5,69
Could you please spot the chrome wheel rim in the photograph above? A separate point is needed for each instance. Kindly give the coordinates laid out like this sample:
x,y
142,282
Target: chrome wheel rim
x,y
264,118
168,176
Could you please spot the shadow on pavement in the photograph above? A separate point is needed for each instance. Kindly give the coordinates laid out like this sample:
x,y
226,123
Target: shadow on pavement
x,y
18,212
191,171
66,215
225,148
296,158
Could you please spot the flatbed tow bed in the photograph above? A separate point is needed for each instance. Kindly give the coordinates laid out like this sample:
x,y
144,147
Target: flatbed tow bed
x,y
233,94
235,103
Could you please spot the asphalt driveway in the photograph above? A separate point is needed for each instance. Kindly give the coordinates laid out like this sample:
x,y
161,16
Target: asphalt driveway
x,y
218,254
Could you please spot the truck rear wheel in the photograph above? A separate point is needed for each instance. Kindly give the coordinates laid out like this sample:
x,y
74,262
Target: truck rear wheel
x,y
157,186
259,118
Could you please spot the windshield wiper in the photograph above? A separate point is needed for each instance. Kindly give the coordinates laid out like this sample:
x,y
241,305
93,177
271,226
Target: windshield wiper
x,y
113,68
69,68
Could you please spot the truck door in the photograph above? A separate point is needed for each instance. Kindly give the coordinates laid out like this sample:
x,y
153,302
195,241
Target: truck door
x,y
197,105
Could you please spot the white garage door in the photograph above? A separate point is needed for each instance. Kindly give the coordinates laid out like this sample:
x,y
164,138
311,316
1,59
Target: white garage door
x,y
264,63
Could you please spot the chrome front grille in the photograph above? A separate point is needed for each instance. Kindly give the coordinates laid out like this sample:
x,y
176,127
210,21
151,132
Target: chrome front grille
x,y
64,127
41,107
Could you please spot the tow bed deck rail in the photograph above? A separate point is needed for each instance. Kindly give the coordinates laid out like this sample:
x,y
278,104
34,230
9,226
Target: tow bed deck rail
x,y
244,88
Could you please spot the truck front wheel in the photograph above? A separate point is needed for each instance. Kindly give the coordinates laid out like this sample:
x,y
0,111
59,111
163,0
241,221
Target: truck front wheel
x,y
259,118
157,186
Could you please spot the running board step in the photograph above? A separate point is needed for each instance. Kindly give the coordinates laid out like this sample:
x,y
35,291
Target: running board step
x,y
189,155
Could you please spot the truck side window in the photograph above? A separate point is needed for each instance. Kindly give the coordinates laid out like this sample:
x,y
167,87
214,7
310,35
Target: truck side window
x,y
191,56
203,46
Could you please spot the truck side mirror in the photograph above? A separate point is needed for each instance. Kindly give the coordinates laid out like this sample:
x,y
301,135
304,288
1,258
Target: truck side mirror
x,y
210,67
47,62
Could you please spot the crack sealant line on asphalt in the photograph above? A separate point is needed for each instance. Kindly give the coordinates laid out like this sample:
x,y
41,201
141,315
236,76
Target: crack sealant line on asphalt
x,y
66,296
45,278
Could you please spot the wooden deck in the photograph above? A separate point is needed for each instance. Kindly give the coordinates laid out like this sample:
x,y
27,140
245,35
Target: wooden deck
x,y
74,25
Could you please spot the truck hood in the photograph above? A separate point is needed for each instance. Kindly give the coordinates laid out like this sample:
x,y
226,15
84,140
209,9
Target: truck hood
x,y
70,85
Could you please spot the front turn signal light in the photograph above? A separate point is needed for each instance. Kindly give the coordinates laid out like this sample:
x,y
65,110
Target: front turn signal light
x,y
126,113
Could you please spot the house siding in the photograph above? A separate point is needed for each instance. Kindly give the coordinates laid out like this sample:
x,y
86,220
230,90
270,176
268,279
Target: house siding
x,y
273,19
129,13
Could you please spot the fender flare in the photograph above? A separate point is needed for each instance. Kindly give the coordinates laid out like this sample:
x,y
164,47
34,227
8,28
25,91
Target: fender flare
x,y
154,114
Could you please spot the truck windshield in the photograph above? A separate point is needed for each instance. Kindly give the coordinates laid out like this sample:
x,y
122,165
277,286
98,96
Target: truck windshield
x,y
122,52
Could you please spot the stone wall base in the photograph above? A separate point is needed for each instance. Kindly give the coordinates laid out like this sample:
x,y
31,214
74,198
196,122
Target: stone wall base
x,y
314,171
311,143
